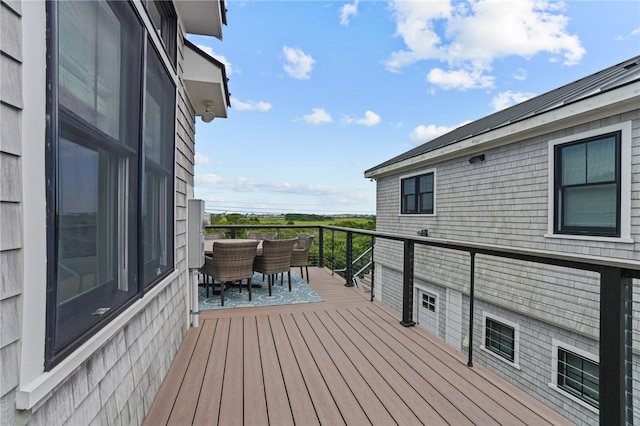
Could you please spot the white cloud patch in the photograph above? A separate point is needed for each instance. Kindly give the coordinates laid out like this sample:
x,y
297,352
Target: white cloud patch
x,y
202,159
250,105
506,99
634,33
469,35
209,51
298,64
520,74
370,119
347,11
317,116
422,133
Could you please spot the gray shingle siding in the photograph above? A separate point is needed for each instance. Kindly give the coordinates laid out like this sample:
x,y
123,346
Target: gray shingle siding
x,y
504,201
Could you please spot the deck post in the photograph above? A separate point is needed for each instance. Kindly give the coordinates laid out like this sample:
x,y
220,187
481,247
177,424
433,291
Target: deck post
x,y
320,247
349,260
472,274
373,267
407,285
615,353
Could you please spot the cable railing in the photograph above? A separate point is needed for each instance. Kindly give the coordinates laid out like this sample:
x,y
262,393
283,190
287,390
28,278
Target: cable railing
x,y
618,382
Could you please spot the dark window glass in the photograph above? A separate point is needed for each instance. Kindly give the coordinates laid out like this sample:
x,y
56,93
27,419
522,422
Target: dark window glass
x,y
104,248
429,302
417,194
163,16
500,339
587,187
159,135
578,376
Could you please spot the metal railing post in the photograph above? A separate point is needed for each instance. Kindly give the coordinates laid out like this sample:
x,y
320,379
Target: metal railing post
x,y
349,259
472,283
615,312
321,247
373,268
407,285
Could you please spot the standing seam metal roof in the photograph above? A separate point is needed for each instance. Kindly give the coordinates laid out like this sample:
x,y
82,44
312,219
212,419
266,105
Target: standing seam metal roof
x,y
608,79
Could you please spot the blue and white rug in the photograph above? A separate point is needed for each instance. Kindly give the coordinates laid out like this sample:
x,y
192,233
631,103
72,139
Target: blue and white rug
x,y
300,292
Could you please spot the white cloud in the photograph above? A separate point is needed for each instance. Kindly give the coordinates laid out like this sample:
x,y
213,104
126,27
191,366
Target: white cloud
x,y
298,64
509,98
348,10
250,105
370,119
317,116
460,79
208,178
422,133
209,51
472,34
633,33
520,74
202,159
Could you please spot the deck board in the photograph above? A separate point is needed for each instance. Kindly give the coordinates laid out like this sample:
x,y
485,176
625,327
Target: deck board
x,y
341,361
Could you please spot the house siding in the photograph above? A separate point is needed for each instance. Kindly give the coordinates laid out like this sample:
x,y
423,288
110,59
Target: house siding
x,y
11,281
118,382
504,201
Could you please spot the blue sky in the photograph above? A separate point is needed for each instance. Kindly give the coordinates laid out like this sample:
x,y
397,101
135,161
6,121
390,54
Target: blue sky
x,y
322,91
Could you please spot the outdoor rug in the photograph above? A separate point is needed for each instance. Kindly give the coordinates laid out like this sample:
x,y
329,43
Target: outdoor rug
x,y
300,292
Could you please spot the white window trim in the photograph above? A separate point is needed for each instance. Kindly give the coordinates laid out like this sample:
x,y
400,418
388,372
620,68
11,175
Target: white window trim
x,y
625,183
555,344
516,339
431,291
417,173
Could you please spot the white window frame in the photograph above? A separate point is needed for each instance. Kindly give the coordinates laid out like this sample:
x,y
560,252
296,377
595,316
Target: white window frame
x,y
625,183
516,339
413,174
555,345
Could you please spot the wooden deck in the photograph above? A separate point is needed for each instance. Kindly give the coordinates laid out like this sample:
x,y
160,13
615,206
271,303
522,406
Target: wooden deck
x,y
343,361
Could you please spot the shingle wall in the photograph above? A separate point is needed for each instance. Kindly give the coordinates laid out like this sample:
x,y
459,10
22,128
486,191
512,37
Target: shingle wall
x,y
11,238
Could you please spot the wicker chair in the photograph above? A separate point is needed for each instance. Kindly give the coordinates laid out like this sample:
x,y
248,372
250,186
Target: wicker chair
x,y
262,235
231,261
215,236
275,259
300,255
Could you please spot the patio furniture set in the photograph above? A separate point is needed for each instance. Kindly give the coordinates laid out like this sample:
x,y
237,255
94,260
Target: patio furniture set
x,y
229,261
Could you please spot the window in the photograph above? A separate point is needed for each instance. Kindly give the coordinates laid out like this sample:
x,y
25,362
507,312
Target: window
x,y
429,302
578,376
97,265
500,339
587,186
417,194
163,16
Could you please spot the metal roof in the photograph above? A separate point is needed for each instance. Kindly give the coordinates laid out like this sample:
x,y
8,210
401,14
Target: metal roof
x,y
610,78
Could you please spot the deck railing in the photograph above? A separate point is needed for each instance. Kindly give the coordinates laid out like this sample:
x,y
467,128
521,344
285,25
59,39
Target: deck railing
x,y
616,382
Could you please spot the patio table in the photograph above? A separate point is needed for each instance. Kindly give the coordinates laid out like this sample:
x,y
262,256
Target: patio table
x,y
208,245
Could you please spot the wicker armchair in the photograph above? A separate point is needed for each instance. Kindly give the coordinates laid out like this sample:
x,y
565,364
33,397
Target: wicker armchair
x,y
275,259
300,255
262,235
231,261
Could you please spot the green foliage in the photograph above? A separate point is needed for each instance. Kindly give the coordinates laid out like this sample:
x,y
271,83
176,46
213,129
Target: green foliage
x,y
303,217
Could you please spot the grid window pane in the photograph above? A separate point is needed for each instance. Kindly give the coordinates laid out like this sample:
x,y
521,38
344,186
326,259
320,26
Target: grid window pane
x,y
601,160
590,206
417,194
499,338
578,376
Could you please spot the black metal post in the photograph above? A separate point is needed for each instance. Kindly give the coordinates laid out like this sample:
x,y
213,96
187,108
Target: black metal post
x,y
373,268
349,259
321,247
407,285
333,251
472,274
615,289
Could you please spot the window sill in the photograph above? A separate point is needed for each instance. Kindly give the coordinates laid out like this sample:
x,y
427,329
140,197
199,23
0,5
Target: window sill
x,y
622,240
30,395
495,355
573,398
416,215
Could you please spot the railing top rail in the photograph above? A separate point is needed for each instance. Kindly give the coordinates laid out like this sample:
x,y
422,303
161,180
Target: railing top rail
x,y
570,260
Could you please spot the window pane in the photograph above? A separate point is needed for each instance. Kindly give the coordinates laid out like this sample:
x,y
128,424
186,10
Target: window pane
x,y
592,206
408,186
573,164
409,204
426,183
159,146
90,38
601,160
426,203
